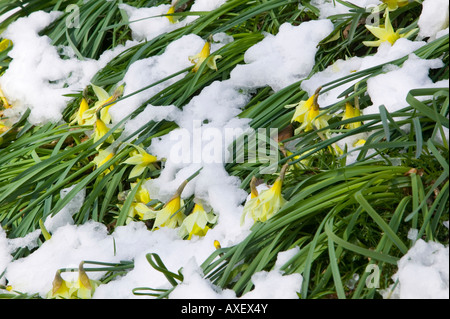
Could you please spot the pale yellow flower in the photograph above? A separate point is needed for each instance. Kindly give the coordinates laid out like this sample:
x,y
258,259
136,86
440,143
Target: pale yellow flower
x,y
5,44
267,203
395,4
100,130
3,99
103,98
142,194
84,287
140,159
3,127
386,33
359,142
102,158
138,209
61,288
349,113
78,117
307,113
171,215
138,206
172,19
197,222
204,54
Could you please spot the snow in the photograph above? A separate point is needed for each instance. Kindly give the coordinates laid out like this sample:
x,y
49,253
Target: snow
x,y
391,88
206,127
147,23
433,19
385,53
422,273
64,216
329,8
281,60
38,77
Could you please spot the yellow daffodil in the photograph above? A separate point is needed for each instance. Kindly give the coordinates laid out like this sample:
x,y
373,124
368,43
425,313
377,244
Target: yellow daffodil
x,y
304,162
61,288
3,127
5,44
3,99
197,222
267,203
100,130
172,19
308,115
139,207
171,215
78,117
351,112
140,159
142,194
102,157
103,98
359,142
84,287
394,4
204,54
217,244
386,33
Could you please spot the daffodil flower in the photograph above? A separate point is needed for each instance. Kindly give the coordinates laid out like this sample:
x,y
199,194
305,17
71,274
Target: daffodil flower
x,y
140,159
78,118
267,203
172,19
308,115
197,222
84,287
142,194
171,215
386,33
100,130
3,99
204,54
351,112
61,288
5,44
139,207
3,127
102,157
103,98
359,142
394,4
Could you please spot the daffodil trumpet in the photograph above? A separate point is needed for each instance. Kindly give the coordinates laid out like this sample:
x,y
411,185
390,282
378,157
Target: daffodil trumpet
x,y
308,114
171,215
393,5
203,56
349,113
262,206
82,288
197,222
170,15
